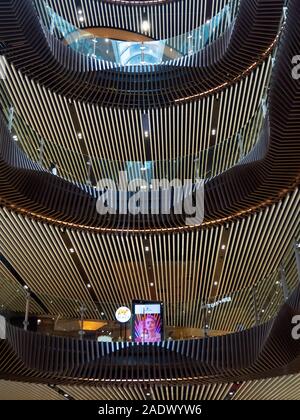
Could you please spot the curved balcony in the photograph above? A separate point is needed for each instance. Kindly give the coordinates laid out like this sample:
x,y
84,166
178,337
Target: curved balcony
x,y
271,351
206,164
264,176
217,316
84,78
147,52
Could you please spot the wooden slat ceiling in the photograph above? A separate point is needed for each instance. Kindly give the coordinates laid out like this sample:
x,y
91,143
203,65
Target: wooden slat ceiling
x,y
12,295
281,388
188,267
10,390
181,133
261,179
168,19
182,266
257,190
74,76
267,350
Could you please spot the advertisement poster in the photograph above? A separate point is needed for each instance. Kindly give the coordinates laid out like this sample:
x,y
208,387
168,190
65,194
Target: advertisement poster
x,y
147,322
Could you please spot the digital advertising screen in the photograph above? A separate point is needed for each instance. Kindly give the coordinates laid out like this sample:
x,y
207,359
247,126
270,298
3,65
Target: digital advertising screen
x,y
147,322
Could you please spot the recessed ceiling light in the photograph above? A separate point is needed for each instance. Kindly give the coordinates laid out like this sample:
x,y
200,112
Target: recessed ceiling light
x,y
15,138
102,314
72,250
26,287
223,247
151,284
213,132
79,135
215,283
106,40
81,19
147,249
146,134
145,26
89,285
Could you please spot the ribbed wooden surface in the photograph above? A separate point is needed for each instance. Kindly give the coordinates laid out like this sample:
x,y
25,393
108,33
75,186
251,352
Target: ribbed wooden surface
x,y
280,388
268,172
264,351
180,137
10,390
175,17
184,266
211,69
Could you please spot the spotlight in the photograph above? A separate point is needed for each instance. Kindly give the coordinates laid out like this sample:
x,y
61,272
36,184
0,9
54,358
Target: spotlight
x,y
145,26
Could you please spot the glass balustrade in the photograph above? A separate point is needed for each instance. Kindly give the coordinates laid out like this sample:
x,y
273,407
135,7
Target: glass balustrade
x,y
152,52
89,169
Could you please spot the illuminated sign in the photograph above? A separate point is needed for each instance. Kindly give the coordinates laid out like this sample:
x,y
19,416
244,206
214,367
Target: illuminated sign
x,y
123,314
217,303
147,322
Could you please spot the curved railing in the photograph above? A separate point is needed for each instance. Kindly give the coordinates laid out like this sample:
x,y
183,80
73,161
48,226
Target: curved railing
x,y
269,349
154,52
219,315
265,176
83,78
90,169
